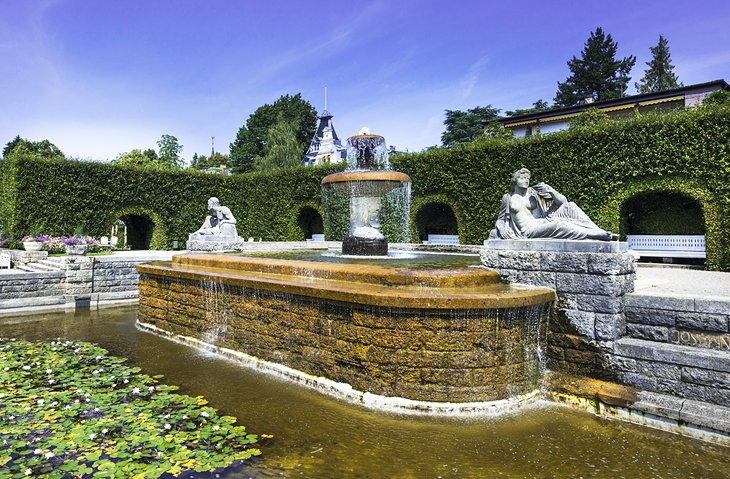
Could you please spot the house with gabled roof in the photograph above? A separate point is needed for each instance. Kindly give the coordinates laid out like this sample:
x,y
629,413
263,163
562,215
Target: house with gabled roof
x,y
558,119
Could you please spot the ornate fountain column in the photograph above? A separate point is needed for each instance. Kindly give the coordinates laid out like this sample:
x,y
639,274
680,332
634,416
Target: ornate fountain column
x,y
366,180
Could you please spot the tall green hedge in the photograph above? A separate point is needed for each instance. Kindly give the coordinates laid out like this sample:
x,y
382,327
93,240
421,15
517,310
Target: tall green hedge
x,y
601,167
60,197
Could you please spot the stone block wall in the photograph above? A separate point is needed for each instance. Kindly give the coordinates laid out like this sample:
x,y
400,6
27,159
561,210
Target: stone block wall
x,y
677,345
111,275
589,316
79,281
440,355
670,353
21,285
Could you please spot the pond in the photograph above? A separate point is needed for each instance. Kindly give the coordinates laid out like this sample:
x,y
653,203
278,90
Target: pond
x,y
319,437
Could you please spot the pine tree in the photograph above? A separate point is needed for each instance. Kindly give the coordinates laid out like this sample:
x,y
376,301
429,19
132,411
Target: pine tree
x,y
659,76
597,74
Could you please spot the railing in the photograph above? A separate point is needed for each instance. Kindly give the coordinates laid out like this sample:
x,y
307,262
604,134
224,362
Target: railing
x,y
668,246
442,239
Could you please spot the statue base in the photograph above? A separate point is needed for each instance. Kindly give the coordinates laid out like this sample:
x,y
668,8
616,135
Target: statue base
x,y
213,243
358,246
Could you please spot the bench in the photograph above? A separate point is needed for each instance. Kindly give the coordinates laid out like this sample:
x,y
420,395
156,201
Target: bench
x,y
668,246
316,237
442,239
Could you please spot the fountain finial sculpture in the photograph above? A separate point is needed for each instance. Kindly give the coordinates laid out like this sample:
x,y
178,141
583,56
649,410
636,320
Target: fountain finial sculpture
x,y
365,181
539,211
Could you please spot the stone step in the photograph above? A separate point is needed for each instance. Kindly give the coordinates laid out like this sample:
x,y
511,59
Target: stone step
x,y
54,263
39,266
677,354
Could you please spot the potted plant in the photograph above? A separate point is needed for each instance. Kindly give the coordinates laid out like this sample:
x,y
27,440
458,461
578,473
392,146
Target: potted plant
x,y
76,245
33,243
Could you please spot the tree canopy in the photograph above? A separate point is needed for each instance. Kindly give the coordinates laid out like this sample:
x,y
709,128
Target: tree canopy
x,y
539,105
42,149
465,126
597,75
282,150
168,158
251,138
169,152
659,76
201,162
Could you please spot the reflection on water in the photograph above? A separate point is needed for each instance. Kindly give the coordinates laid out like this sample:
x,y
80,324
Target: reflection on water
x,y
319,437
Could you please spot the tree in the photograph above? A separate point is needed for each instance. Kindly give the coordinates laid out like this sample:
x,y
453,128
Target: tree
x,y
597,74
169,152
539,105
659,76
718,97
251,138
201,162
465,126
151,154
137,159
41,149
282,150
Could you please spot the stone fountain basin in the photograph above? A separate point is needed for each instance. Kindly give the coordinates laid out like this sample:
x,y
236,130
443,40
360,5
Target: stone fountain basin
x,y
465,288
396,338
365,182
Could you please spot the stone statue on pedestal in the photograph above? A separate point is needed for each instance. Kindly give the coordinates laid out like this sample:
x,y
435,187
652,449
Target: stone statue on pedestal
x,y
540,212
218,232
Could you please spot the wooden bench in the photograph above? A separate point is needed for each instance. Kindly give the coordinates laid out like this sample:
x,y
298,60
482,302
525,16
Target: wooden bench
x,y
442,239
668,246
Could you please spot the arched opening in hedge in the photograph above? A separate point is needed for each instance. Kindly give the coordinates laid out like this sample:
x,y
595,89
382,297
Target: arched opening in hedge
x,y
140,228
662,213
310,222
436,218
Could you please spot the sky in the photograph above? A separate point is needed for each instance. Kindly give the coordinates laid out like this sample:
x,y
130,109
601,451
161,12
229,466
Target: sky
x,y
102,77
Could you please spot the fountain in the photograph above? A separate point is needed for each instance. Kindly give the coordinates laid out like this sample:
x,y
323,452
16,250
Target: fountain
x,y
366,180
444,340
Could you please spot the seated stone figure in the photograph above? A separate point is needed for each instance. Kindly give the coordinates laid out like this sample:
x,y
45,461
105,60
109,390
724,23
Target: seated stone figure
x,y
220,222
541,212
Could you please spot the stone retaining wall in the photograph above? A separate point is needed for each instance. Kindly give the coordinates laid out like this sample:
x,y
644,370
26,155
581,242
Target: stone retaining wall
x,y
591,287
672,352
80,280
26,285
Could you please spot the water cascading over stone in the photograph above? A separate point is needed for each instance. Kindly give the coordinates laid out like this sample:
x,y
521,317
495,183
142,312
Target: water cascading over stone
x,y
365,182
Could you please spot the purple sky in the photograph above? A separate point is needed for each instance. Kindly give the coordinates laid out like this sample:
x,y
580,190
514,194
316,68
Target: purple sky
x,y
101,77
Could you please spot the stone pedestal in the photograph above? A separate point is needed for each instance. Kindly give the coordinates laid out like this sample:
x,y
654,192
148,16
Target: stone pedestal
x,y
591,280
214,243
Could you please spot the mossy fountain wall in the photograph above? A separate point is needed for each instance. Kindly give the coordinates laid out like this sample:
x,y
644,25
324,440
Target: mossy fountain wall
x,y
454,336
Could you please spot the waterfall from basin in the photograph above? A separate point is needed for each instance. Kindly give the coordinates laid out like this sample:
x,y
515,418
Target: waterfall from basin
x,y
367,179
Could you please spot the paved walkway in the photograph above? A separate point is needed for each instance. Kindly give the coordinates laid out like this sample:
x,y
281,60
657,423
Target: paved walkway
x,y
650,279
677,280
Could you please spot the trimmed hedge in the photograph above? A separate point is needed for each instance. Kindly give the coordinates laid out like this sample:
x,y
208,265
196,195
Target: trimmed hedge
x,y
62,196
601,167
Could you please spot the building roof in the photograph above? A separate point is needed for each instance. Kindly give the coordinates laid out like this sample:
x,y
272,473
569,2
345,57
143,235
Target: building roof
x,y
665,95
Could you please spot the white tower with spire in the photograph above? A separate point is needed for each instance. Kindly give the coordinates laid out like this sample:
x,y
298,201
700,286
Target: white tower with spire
x,y
325,146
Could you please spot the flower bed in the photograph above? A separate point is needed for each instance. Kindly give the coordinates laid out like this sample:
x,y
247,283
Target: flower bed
x,y
68,409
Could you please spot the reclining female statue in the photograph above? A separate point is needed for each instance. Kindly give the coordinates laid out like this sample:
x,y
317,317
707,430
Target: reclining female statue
x,y
541,212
